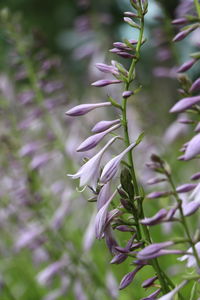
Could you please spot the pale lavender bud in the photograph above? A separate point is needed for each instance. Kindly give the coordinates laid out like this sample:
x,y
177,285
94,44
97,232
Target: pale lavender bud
x,y
162,252
83,109
128,278
147,283
125,54
186,66
92,141
185,104
195,86
186,121
107,68
104,82
156,180
156,219
89,172
193,148
127,94
119,258
153,295
185,188
104,125
181,35
195,176
131,22
156,195
40,160
153,249
190,208
179,21
121,46
112,166
171,213
197,129
170,295
29,149
130,14
114,50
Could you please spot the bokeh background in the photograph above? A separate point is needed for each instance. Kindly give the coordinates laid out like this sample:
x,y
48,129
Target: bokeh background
x,y
47,54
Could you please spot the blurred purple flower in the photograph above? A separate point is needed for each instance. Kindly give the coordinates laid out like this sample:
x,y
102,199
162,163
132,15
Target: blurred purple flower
x,y
193,148
184,104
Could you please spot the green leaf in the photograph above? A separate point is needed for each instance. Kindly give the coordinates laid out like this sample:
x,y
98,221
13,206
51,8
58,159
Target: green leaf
x,y
193,295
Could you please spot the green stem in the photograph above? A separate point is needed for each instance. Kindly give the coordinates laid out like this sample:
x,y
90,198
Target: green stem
x,y
197,4
161,276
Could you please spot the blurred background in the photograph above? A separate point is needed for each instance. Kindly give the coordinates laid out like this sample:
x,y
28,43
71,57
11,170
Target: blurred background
x,y
47,55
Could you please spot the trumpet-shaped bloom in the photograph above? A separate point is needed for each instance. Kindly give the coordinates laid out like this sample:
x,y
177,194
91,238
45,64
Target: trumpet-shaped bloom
x,y
89,172
112,166
170,295
191,261
83,109
92,141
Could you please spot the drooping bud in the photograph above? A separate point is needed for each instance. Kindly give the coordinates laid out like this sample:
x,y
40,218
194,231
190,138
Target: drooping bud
x,y
83,109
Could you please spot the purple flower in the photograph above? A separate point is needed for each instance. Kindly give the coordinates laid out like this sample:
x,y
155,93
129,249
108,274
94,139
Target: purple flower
x,y
104,125
112,166
193,148
195,86
156,219
128,278
83,109
39,161
92,141
104,82
119,258
89,172
185,104
185,188
186,66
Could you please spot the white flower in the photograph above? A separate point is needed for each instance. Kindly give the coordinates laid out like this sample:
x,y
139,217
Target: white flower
x,y
89,172
191,261
170,295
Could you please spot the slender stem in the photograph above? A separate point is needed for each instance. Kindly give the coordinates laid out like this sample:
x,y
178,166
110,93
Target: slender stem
x,y
161,276
183,219
197,4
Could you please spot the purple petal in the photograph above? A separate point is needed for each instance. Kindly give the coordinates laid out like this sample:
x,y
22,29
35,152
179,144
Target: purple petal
x,y
103,196
156,195
193,148
127,94
153,249
152,296
185,104
119,258
83,109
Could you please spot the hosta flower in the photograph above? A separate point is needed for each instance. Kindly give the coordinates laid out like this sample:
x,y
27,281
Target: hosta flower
x,y
83,109
185,104
104,82
191,261
170,295
89,172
